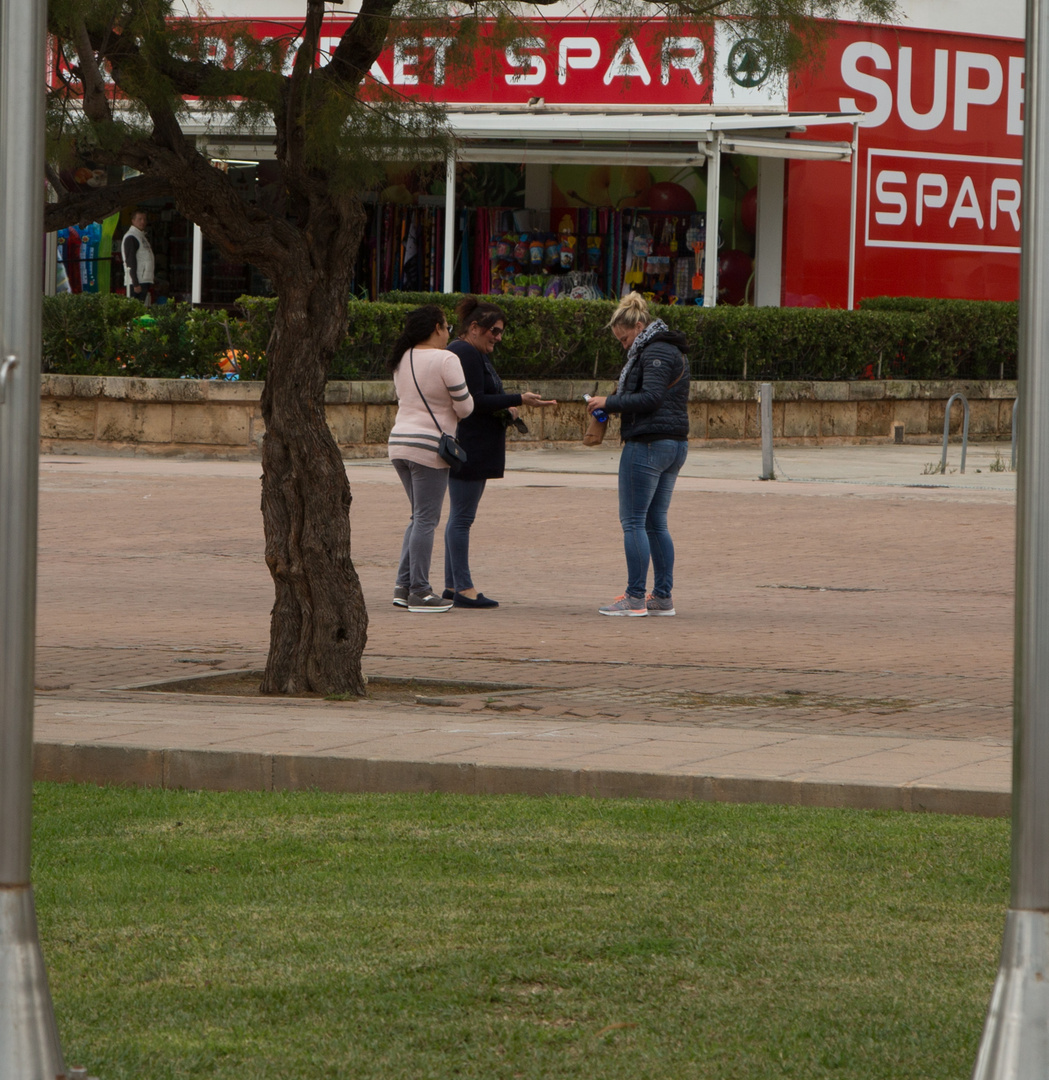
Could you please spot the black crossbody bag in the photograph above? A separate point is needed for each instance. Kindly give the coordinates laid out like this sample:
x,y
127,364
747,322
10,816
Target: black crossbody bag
x,y
448,449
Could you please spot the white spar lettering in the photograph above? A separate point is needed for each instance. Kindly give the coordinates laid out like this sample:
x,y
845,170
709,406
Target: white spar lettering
x,y
406,57
927,183
576,52
971,88
965,94
584,53
904,102
684,53
440,46
627,61
1001,186
931,191
530,69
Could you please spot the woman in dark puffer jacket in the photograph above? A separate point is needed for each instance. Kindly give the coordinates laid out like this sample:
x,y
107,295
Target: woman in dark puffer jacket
x,y
652,396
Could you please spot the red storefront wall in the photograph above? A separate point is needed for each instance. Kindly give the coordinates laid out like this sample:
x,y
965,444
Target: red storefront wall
x,y
939,169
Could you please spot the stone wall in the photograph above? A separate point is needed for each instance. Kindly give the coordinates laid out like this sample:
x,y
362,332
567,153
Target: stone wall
x,y
223,419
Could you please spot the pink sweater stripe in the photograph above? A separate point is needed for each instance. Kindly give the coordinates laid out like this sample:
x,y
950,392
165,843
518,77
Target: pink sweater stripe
x,y
440,376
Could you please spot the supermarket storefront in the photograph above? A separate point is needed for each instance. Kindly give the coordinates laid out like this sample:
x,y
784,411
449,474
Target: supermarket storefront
x,y
588,161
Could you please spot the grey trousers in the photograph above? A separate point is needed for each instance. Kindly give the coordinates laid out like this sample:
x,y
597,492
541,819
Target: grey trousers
x,y
425,488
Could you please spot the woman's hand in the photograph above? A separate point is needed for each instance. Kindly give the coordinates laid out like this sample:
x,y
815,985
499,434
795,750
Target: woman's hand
x,y
595,403
530,397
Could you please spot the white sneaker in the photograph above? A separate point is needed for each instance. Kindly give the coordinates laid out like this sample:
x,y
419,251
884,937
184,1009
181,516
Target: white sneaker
x,y
427,602
625,605
660,605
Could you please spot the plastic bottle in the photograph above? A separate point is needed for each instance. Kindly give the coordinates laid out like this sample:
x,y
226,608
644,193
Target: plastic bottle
x,y
598,414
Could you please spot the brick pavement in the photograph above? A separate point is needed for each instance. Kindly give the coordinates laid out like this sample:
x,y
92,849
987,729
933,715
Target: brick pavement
x,y
845,642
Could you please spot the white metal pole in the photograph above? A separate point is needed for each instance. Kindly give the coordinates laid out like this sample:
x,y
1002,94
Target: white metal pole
x,y
197,281
852,214
710,261
50,263
767,463
449,225
29,1046
1015,1043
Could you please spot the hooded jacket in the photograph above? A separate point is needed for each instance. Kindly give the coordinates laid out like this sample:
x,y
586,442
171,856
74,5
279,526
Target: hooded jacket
x,y
654,400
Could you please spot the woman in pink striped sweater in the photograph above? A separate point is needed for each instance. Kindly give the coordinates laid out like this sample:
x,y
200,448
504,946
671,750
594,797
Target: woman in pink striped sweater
x,y
425,374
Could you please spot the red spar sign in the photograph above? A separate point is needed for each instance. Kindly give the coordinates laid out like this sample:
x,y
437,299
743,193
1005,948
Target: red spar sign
x,y
934,201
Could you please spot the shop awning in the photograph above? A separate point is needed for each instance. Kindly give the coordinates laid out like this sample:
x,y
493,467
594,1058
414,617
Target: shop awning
x,y
538,133
570,135
544,123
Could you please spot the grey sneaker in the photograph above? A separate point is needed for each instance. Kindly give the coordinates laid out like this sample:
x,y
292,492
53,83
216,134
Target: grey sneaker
x,y
660,605
625,605
428,602
400,596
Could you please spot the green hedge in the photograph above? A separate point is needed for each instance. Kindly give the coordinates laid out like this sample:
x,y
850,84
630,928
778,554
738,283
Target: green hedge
x,y
896,338
109,334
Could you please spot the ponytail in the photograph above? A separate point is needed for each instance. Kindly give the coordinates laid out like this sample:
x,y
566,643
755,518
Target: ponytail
x,y
470,311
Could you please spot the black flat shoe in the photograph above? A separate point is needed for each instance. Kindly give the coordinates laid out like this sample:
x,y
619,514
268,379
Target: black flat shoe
x,y
447,595
481,601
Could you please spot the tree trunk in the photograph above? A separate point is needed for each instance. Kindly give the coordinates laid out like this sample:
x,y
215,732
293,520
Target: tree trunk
x,y
319,624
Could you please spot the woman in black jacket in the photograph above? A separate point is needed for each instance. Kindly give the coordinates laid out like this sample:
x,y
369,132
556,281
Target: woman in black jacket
x,y
483,437
652,395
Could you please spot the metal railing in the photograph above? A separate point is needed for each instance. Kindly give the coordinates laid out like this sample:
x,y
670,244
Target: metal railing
x,y
947,428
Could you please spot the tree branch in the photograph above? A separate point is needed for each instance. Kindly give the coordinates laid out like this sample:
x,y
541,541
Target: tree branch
x,y
362,43
295,102
96,103
81,207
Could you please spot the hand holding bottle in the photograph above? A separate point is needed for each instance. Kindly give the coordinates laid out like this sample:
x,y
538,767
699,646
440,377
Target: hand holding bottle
x,y
596,407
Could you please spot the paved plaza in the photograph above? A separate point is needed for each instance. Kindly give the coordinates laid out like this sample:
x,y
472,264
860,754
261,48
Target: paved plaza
x,y
843,636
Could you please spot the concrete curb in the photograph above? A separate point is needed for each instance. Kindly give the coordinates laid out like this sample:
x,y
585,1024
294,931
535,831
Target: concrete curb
x,y
214,770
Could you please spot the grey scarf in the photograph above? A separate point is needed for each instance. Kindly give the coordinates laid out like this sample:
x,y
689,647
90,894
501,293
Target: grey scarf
x,y
634,351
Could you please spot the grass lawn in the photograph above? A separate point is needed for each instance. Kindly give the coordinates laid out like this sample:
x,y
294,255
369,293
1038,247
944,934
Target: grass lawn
x,y
305,935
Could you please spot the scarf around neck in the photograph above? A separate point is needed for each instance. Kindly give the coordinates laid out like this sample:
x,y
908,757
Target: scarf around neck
x,y
642,339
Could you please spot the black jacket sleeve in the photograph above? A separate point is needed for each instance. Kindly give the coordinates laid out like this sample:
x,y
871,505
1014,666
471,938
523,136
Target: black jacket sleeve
x,y
473,369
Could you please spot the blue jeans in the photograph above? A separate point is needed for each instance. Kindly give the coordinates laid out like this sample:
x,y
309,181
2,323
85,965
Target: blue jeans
x,y
647,474
464,496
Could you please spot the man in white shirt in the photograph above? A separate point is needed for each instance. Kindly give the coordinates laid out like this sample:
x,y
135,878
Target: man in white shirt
x,y
138,259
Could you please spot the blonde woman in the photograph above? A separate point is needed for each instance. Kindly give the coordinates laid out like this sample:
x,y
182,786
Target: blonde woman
x,y
652,396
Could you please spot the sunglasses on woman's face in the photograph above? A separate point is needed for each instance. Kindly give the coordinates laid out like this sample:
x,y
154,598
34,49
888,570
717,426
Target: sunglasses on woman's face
x,y
496,331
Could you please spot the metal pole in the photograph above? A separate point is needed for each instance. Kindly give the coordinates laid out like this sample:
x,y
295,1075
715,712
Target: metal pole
x,y
710,261
1015,1041
197,280
768,471
29,1046
852,215
1012,456
449,225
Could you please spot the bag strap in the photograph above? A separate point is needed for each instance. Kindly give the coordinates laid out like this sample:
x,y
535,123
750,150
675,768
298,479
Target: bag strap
x,y
411,361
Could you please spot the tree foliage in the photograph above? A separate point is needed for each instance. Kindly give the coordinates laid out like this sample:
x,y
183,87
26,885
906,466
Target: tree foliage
x,y
128,72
